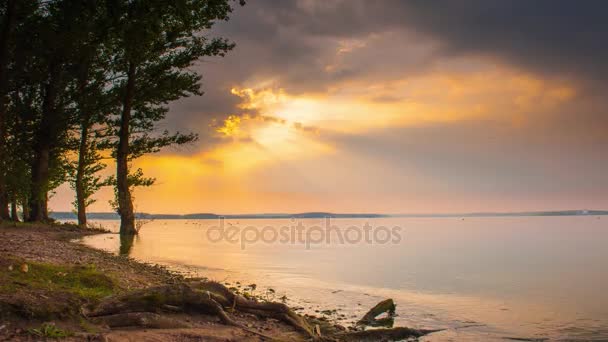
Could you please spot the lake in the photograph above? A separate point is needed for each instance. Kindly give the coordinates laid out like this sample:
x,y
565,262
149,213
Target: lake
x,y
480,278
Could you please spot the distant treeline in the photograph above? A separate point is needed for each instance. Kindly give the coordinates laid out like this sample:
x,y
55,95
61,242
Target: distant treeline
x,y
86,81
523,213
202,216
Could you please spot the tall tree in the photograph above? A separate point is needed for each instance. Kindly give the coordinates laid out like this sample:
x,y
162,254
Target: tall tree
x,y
63,54
8,24
157,40
92,102
23,115
88,76
53,48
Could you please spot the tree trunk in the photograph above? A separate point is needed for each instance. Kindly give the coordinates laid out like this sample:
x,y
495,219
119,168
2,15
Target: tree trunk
x,y
14,214
7,28
45,207
26,210
40,177
80,191
125,204
82,150
43,146
4,214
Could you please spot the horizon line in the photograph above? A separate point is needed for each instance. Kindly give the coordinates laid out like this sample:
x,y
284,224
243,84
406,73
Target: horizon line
x,y
318,214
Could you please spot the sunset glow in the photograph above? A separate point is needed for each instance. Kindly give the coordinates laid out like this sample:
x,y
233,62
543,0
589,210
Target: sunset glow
x,y
344,117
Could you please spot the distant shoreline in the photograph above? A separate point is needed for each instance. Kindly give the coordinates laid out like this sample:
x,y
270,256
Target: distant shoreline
x,y
210,216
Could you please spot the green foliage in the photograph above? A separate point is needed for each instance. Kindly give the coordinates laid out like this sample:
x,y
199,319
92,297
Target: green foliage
x,y
68,70
135,179
156,43
49,331
162,39
91,180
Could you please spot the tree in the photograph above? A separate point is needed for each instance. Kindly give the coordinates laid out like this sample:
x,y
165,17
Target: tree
x,y
157,41
52,46
20,98
92,102
17,153
90,78
64,54
8,24
22,118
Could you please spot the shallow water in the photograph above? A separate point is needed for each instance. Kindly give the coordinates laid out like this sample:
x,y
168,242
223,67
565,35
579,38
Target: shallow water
x,y
482,279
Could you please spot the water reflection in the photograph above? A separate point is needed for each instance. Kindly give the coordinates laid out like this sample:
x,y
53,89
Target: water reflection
x,y
126,244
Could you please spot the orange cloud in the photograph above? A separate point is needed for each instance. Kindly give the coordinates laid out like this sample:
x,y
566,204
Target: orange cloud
x,y
290,128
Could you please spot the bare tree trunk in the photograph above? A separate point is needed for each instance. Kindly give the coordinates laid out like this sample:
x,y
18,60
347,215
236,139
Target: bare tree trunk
x,y
26,210
125,204
80,191
7,28
14,214
45,207
4,214
82,150
43,145
40,177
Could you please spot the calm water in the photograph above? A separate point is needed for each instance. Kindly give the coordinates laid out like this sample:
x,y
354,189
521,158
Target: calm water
x,y
482,279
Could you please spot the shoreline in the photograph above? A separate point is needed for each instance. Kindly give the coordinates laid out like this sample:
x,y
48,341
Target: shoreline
x,y
49,282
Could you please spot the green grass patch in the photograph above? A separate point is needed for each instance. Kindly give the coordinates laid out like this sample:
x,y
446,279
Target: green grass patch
x,y
49,331
83,281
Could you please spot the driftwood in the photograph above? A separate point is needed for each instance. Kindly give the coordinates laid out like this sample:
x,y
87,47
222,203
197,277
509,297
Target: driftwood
x,y
393,334
386,306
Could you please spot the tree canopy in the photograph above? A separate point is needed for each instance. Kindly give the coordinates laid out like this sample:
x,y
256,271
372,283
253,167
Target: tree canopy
x,y
81,81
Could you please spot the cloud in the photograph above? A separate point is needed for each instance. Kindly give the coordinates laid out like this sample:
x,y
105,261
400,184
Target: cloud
x,y
556,36
562,38
384,104
307,46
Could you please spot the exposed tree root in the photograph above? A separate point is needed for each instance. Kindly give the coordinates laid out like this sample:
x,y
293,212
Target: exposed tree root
x,y
392,334
141,308
201,297
163,298
279,311
140,319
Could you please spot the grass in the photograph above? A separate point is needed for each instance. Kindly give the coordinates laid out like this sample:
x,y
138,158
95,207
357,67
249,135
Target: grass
x,y
49,331
83,281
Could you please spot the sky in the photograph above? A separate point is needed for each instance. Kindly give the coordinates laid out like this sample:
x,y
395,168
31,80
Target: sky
x,y
391,106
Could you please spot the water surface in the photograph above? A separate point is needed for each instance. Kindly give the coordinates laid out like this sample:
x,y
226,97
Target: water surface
x,y
482,279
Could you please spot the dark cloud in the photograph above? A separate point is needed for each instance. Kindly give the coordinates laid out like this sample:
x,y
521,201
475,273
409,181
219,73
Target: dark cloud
x,y
294,45
294,41
557,36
